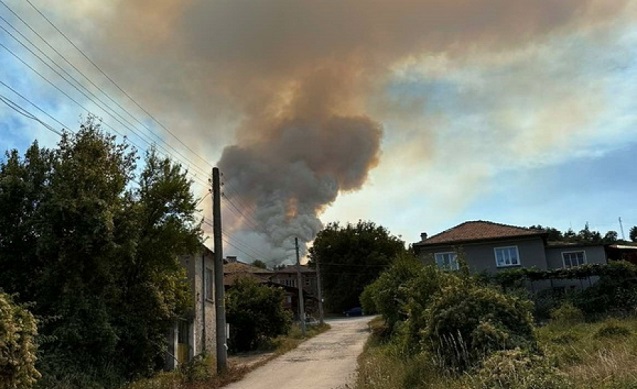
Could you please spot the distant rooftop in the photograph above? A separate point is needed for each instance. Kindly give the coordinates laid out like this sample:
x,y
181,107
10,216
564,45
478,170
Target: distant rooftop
x,y
477,231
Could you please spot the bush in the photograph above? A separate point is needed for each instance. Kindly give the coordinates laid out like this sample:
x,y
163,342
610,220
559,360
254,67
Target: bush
x,y
466,323
611,329
518,369
255,314
390,293
17,346
567,313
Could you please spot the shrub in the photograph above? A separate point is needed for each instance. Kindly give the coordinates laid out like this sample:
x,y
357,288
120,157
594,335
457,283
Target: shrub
x,y
389,294
255,314
612,329
17,346
567,313
518,369
466,323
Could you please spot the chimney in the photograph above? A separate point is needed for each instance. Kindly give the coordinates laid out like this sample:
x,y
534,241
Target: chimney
x,y
423,236
231,259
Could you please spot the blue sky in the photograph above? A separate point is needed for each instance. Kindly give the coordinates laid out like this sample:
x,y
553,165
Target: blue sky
x,y
526,118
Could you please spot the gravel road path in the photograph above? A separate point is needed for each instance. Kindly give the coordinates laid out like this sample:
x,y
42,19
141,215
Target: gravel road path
x,y
324,362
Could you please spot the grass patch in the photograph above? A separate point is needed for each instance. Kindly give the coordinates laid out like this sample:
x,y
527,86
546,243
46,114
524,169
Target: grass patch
x,y
585,355
201,373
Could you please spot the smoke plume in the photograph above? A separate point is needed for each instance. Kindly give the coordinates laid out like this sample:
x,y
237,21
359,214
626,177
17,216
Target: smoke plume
x,y
291,94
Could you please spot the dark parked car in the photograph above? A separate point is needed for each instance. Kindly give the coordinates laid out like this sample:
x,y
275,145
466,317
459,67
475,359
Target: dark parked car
x,y
356,311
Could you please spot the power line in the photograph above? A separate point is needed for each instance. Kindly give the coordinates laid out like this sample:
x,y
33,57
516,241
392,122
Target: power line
x,y
34,105
105,107
22,111
253,223
113,81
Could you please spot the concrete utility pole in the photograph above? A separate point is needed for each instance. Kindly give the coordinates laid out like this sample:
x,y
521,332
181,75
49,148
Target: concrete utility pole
x,y
220,306
319,291
299,279
621,227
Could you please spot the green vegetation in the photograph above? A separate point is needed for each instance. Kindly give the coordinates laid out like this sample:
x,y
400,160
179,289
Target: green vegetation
x,y
351,258
90,242
200,373
472,335
255,314
17,346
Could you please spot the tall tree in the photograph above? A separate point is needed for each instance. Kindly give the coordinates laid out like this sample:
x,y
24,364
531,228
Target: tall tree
x,y
633,234
351,258
95,252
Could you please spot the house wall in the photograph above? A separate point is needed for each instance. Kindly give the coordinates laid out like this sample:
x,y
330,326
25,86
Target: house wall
x,y
481,256
593,254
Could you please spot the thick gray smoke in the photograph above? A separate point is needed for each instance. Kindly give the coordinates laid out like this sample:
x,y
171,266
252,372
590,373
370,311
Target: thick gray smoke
x,y
286,179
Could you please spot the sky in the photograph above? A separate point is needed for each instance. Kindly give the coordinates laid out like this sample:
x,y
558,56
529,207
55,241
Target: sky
x,y
416,115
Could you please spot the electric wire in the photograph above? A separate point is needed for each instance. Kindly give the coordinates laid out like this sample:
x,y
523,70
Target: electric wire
x,y
115,115
22,111
113,81
34,105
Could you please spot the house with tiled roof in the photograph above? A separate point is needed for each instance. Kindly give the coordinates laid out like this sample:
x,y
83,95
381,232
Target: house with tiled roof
x,y
491,247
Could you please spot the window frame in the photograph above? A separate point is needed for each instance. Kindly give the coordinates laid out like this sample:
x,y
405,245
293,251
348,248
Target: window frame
x,y
517,255
451,266
584,261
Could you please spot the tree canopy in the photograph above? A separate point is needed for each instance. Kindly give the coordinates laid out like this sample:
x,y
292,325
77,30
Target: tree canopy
x,y
585,235
255,314
92,244
350,258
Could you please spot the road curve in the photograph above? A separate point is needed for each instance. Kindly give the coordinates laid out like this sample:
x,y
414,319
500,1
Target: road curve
x,y
324,362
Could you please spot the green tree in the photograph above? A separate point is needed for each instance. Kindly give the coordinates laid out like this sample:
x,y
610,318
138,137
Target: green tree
x,y
17,346
351,258
255,314
610,237
554,235
633,234
260,264
96,252
390,293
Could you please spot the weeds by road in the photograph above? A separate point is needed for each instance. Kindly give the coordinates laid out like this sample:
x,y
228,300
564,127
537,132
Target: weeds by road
x,y
200,373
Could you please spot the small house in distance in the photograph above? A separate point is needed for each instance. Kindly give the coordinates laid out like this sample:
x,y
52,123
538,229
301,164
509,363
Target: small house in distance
x,y
491,247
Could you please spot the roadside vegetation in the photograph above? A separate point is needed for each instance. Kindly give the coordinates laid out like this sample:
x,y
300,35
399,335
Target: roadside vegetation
x,y
89,243
440,329
201,373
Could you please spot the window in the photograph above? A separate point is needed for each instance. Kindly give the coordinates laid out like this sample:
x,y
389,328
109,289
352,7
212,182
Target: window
x,y
507,256
209,284
573,258
447,261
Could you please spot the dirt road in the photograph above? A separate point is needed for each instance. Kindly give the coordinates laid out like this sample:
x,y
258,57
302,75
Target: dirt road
x,y
324,362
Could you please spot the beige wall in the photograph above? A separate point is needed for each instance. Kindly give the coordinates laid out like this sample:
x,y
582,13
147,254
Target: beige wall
x,y
204,309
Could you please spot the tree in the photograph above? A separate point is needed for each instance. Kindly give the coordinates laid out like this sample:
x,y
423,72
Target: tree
x,y
255,314
17,346
351,258
96,252
610,237
554,235
633,234
260,264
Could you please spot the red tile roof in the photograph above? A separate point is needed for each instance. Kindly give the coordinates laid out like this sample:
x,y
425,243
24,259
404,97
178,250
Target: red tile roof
x,y
477,231
240,267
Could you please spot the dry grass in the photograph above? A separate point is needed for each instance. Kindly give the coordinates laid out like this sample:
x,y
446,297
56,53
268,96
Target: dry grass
x,y
599,355
203,374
